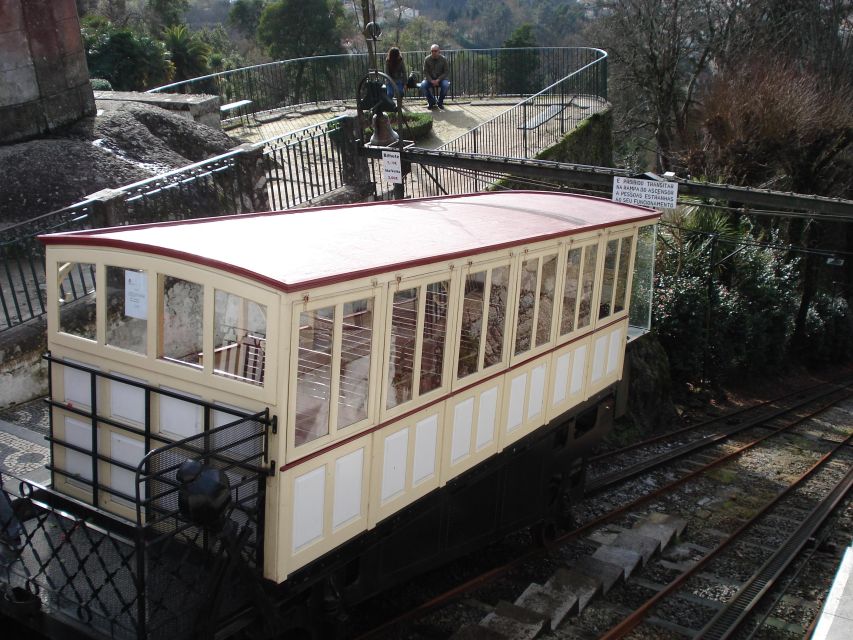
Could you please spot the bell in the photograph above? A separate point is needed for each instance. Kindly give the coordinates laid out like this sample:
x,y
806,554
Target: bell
x,y
383,134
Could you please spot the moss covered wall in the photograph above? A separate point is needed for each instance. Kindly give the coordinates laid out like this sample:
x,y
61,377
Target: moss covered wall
x,y
591,142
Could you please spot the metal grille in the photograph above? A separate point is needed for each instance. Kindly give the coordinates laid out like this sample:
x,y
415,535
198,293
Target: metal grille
x,y
158,577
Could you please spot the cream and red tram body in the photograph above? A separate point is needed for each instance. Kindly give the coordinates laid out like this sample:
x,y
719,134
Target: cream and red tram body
x,y
434,370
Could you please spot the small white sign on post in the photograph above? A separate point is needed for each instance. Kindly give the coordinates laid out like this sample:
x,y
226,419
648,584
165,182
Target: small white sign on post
x,y
392,167
646,193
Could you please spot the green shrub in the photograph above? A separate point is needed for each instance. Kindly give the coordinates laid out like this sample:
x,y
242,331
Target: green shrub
x,y
101,84
829,329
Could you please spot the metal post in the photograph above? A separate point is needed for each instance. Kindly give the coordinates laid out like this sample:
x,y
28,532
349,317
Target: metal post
x,y
355,170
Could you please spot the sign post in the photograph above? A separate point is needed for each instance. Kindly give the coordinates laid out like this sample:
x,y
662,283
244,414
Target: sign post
x,y
645,193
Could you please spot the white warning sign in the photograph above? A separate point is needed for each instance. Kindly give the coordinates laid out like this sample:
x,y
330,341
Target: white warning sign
x,y
392,167
646,193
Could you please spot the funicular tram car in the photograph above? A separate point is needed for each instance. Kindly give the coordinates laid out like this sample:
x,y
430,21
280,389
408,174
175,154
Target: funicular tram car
x,y
254,416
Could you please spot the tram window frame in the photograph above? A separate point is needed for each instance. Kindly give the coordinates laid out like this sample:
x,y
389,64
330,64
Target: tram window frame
x,y
421,283
536,346
71,271
583,245
337,303
619,237
482,371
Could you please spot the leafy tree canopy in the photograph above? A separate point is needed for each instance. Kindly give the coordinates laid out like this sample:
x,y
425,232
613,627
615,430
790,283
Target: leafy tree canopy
x,y
166,13
129,60
301,28
190,54
245,15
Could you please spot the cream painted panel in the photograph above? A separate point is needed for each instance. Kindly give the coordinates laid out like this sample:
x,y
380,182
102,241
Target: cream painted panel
x,y
463,417
537,391
394,464
309,493
515,414
426,445
568,382
407,460
616,343
487,418
578,369
561,378
179,418
348,475
127,450
77,386
598,358
127,401
79,434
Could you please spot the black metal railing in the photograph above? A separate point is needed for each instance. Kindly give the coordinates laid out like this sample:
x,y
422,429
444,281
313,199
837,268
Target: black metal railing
x,y
476,73
22,276
305,164
298,167
162,575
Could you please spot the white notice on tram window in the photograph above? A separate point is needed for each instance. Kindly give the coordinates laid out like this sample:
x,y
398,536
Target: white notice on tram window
x,y
646,193
392,167
136,294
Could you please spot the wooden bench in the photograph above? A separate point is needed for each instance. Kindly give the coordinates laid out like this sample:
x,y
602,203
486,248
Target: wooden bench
x,y
537,121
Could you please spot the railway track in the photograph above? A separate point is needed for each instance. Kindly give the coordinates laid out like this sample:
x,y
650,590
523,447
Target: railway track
x,y
656,537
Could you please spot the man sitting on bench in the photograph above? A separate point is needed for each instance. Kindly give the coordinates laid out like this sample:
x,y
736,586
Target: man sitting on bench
x,y
435,75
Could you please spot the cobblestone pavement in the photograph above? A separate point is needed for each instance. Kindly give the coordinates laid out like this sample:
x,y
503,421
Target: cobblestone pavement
x,y
23,450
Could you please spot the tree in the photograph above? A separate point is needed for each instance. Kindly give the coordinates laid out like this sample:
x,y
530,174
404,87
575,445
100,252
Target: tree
x,y
660,49
190,55
421,32
166,13
301,28
130,61
245,15
519,67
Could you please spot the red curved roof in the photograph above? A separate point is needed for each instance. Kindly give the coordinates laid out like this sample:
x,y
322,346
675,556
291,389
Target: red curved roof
x,y
293,250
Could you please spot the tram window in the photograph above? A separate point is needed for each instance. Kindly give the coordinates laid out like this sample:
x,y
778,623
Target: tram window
x,y
608,278
570,291
77,315
181,321
401,363
471,328
356,349
483,290
545,314
535,302
314,374
498,294
239,338
622,275
434,336
526,305
590,255
127,309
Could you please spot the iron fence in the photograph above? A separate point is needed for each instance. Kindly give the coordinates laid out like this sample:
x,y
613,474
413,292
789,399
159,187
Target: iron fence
x,y
22,291
161,576
327,79
299,166
305,164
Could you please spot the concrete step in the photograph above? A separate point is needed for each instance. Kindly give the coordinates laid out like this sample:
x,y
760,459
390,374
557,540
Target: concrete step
x,y
553,605
514,622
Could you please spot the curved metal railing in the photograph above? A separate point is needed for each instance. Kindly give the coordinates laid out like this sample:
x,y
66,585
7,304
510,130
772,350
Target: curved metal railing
x,y
323,79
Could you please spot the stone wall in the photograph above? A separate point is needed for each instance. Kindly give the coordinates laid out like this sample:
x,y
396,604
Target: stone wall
x,y
44,81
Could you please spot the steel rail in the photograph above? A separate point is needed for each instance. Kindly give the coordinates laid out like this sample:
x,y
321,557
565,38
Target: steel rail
x,y
632,621
486,577
601,482
730,617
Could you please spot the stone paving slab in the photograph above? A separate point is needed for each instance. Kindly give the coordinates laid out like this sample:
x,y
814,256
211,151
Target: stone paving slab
x,y
23,450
